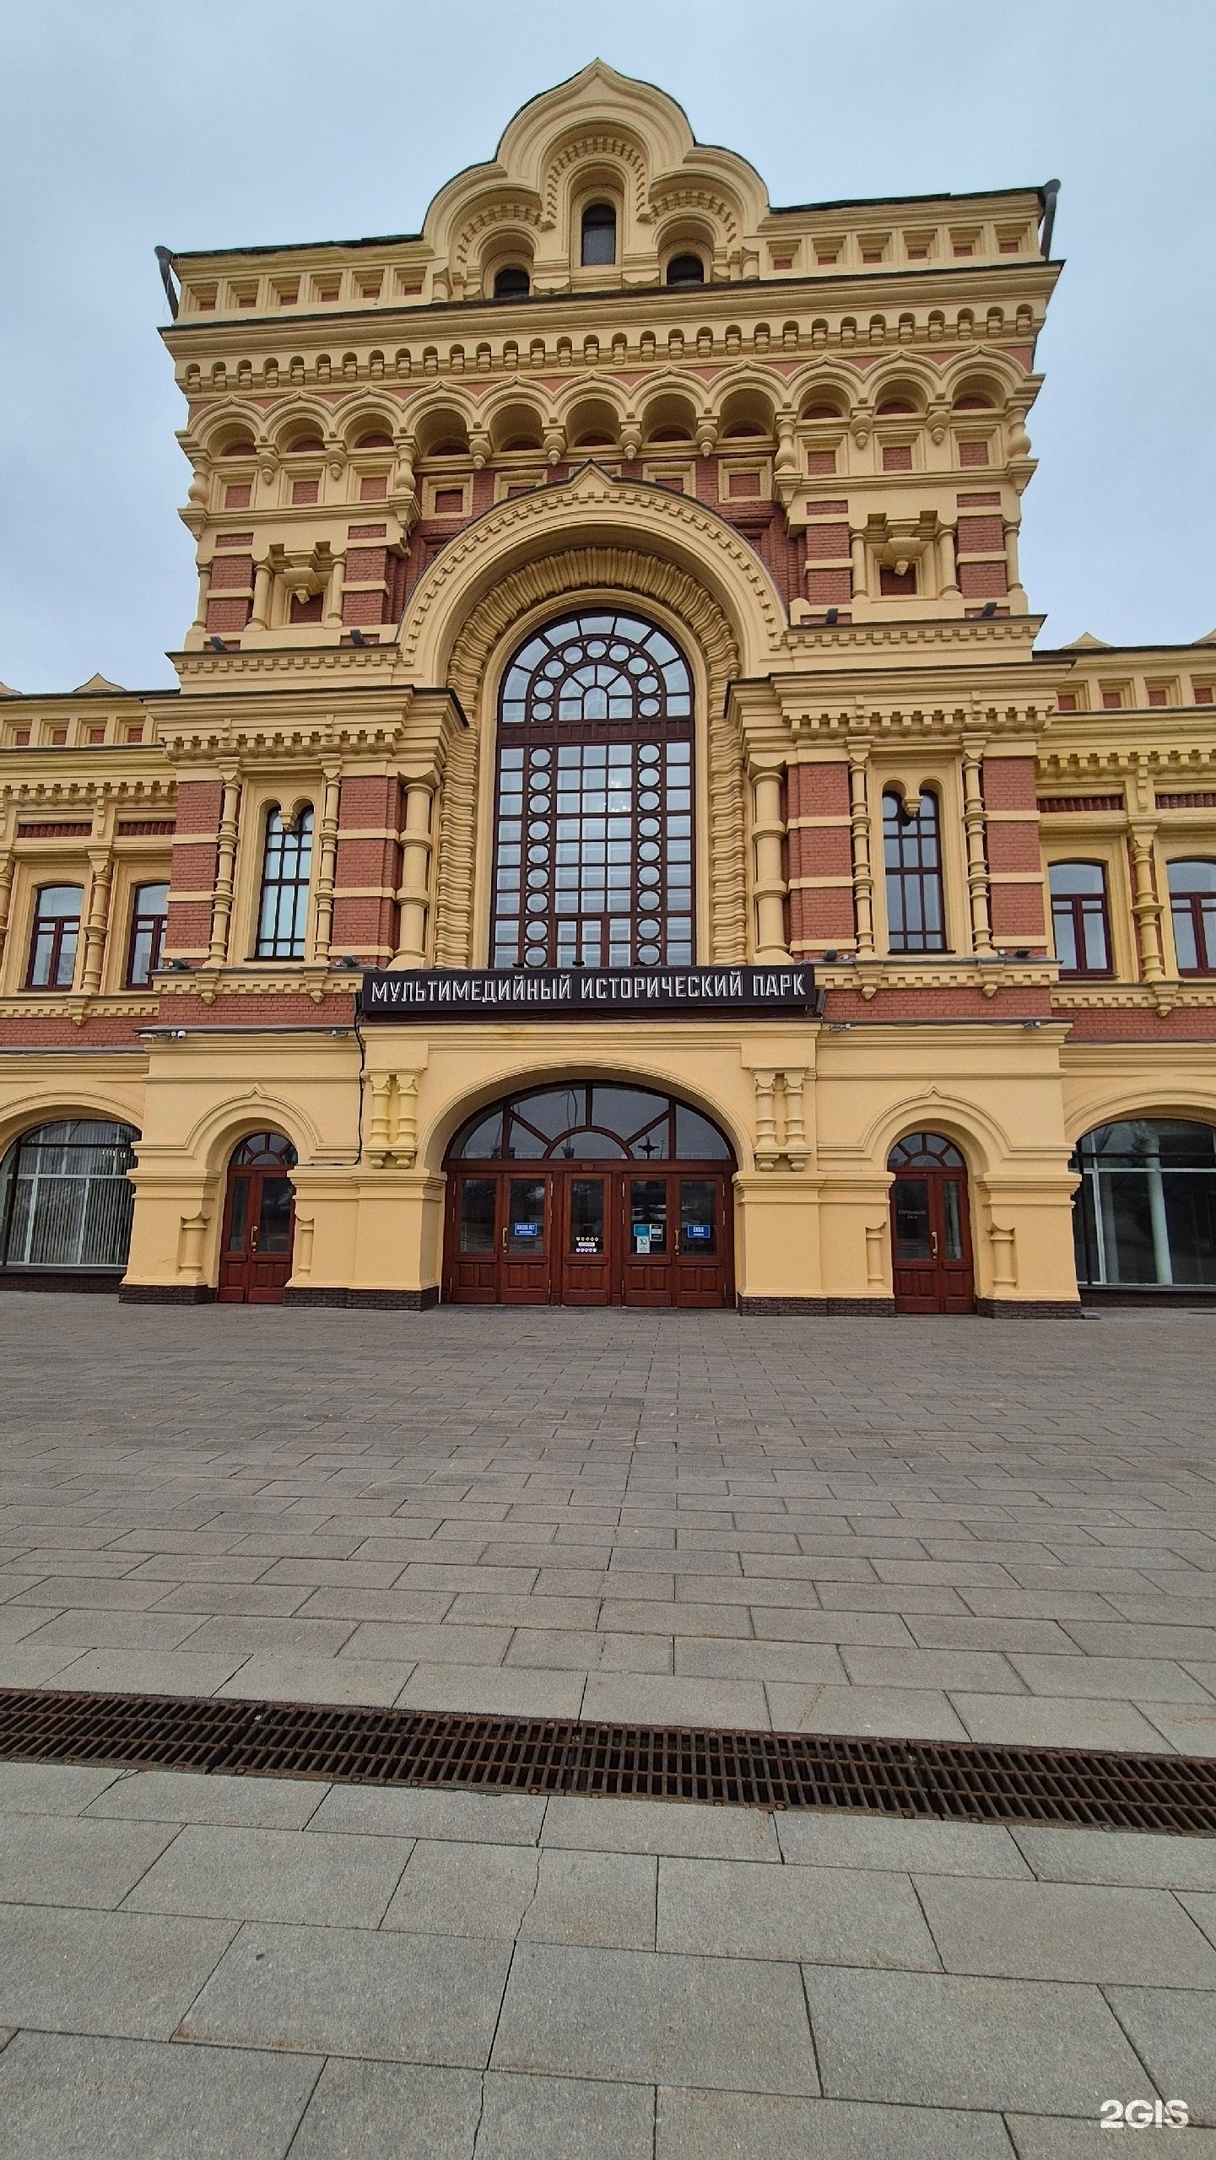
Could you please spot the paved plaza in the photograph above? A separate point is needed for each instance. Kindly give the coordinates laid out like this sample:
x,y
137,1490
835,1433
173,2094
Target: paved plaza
x,y
913,1527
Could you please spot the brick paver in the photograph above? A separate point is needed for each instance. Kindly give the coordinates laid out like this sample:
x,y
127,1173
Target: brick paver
x,y
930,1528
905,1527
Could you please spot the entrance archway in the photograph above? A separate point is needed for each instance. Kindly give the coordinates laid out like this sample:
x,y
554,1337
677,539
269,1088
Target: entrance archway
x,y
589,1193
259,1221
930,1226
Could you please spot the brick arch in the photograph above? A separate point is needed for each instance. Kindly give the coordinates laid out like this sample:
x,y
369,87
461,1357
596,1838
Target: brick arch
x,y
631,574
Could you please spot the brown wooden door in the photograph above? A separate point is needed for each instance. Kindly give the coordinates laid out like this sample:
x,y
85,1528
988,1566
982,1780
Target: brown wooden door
x,y
589,1223
525,1240
259,1231
931,1241
647,1272
472,1238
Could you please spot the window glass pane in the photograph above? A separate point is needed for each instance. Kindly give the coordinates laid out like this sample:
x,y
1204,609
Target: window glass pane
x,y
1186,943
912,1239
238,1215
481,1141
647,1217
151,899
60,900
274,1220
1190,1213
1192,877
698,1217
477,1196
952,1213
286,870
526,1217
1065,932
587,1146
1094,927
915,915
1077,877
586,1216
599,234
696,1139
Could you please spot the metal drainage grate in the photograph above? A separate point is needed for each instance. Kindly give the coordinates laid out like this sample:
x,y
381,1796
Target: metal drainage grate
x,y
942,1780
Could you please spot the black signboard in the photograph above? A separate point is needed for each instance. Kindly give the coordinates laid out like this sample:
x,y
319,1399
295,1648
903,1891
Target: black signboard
x,y
785,990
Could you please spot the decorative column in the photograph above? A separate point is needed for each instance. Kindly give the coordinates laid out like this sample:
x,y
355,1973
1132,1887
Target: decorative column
x,y
796,1146
977,864
947,562
225,864
769,887
327,864
1016,589
863,877
379,1137
331,613
204,591
857,548
97,918
263,585
765,1082
1145,905
7,866
414,897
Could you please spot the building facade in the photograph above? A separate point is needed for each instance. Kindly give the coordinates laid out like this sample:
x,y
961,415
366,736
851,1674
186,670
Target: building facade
x,y
615,838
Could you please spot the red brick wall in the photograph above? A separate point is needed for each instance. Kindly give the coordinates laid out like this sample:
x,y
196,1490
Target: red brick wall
x,y
820,914
366,921
199,805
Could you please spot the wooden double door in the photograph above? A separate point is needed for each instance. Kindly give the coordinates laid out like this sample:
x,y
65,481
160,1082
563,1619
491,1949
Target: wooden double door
x,y
259,1222
589,1234
930,1227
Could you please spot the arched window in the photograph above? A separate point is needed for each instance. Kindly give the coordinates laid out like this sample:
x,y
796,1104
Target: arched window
x,y
1145,1211
599,1121
512,283
65,1197
149,913
686,270
1079,919
286,870
1193,907
916,918
594,836
599,234
54,939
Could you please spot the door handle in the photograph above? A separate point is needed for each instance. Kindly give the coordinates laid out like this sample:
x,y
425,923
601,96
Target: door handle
x,y
253,1239
933,1235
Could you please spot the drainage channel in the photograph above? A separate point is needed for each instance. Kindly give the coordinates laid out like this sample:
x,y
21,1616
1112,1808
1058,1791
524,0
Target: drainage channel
x,y
943,1781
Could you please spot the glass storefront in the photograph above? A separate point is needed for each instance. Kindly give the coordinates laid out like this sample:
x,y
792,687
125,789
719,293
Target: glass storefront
x,y
1145,1211
65,1198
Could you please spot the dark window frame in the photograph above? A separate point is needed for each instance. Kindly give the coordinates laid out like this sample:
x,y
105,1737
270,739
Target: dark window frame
x,y
1078,909
154,924
513,290
677,271
51,933
609,848
286,879
62,1154
915,887
1198,908
597,217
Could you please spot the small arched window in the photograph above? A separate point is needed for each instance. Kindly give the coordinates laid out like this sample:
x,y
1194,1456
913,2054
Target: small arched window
x,y
1193,907
512,283
55,936
1079,921
286,871
599,234
916,919
686,270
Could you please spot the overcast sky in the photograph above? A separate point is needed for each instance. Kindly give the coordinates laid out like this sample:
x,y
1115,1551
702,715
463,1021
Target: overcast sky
x,y
128,122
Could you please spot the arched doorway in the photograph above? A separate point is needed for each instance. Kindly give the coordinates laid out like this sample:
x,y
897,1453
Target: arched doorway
x,y
66,1199
1144,1214
589,1193
930,1226
259,1221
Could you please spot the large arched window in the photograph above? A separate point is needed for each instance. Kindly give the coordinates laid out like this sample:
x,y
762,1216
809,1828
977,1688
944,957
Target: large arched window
x,y
590,1121
912,846
1193,908
599,234
593,862
286,871
1145,1211
65,1197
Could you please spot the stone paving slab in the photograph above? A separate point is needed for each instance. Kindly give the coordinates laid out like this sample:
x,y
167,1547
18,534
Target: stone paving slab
x,y
848,1526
